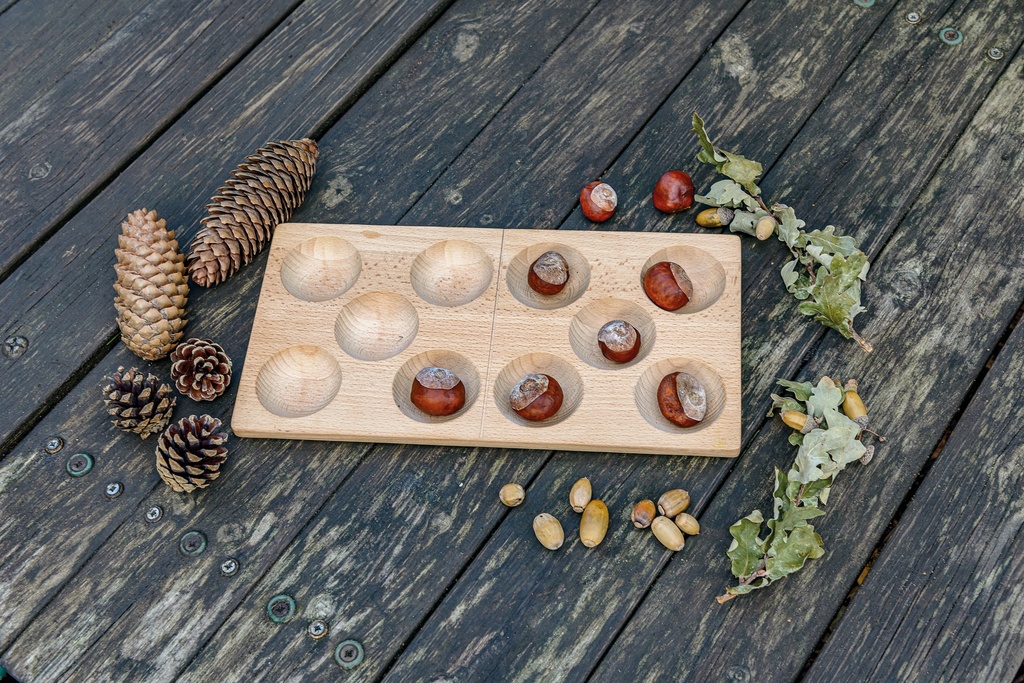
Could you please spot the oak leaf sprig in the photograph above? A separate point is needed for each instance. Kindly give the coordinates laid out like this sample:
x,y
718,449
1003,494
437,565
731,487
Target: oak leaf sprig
x,y
828,423
827,269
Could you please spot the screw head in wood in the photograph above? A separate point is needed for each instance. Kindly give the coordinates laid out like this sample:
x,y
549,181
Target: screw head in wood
x,y
317,629
281,608
913,18
229,567
192,543
864,3
995,54
113,490
14,346
951,36
349,654
154,514
53,444
79,464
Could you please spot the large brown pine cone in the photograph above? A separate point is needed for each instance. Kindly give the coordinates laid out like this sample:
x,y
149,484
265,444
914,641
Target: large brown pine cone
x,y
138,405
200,369
190,452
152,286
261,193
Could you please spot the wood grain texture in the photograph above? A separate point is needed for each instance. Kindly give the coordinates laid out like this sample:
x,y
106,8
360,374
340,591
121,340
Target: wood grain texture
x,y
499,335
966,292
344,48
460,621
942,600
79,126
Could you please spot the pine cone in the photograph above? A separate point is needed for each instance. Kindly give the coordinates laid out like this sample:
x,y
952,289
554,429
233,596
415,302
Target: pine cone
x,y
260,194
190,452
151,287
138,405
200,369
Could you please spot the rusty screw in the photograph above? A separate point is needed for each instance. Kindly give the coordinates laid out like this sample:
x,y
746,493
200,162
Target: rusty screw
x,y
192,543
15,346
281,608
79,464
229,567
951,36
154,514
349,654
113,490
317,629
53,444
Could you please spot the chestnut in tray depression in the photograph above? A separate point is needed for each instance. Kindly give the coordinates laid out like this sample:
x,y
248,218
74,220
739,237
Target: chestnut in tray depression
x,y
619,341
548,274
682,400
438,392
668,286
536,397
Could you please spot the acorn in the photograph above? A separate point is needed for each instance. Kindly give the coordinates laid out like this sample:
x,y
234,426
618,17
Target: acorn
x,y
853,406
715,218
643,514
594,523
687,523
765,227
580,494
799,421
512,495
673,502
666,531
548,531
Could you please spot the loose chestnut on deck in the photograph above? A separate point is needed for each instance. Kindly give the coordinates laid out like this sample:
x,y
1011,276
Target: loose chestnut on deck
x,y
673,192
598,201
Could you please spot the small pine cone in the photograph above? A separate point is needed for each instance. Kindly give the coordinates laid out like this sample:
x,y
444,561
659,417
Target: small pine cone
x,y
152,286
190,452
261,193
138,405
200,369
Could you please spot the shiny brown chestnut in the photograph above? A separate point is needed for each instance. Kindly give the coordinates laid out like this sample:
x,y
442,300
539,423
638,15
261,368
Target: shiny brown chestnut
x,y
668,286
681,399
673,192
438,392
536,397
619,341
598,201
548,274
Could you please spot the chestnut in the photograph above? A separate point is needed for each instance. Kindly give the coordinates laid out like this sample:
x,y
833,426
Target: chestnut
x,y
438,392
673,192
598,201
536,397
681,399
619,341
549,273
668,285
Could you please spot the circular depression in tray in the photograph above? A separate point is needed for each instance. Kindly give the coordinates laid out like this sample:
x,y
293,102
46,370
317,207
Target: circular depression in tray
x,y
321,268
575,286
586,324
706,274
543,363
451,273
440,358
376,325
646,392
298,381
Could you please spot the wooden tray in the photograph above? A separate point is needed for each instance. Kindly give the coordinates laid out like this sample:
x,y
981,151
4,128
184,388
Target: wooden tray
x,y
348,315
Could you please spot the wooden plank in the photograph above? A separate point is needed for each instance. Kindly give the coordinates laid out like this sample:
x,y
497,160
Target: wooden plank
x,y
943,599
460,622
944,292
390,321
72,126
499,33
179,173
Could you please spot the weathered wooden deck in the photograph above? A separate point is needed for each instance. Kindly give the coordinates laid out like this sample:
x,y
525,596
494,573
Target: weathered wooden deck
x,y
491,113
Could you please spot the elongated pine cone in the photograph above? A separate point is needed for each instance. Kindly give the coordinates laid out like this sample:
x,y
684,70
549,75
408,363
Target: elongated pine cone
x,y
190,452
152,286
200,369
138,405
260,194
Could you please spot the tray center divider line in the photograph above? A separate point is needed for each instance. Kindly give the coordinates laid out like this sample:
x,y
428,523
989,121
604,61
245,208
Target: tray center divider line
x,y
494,326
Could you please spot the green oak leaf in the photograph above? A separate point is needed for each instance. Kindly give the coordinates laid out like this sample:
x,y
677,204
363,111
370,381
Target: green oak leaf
x,y
789,552
795,438
790,227
829,242
729,194
746,221
826,394
748,587
743,170
835,295
708,154
825,452
800,390
788,513
784,403
746,550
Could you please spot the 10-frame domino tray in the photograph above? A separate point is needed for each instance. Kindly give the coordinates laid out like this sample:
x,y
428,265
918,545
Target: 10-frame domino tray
x,y
348,314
